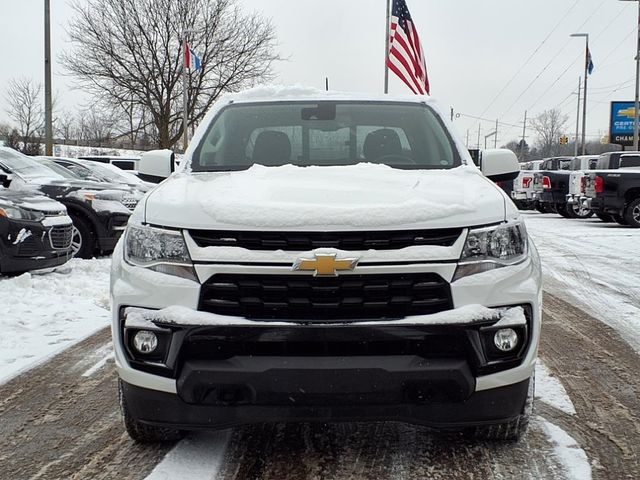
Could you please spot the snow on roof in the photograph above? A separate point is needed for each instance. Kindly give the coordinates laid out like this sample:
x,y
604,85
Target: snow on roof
x,y
302,93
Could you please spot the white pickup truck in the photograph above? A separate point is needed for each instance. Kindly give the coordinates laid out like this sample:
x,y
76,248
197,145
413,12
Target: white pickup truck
x,y
326,257
528,185
579,167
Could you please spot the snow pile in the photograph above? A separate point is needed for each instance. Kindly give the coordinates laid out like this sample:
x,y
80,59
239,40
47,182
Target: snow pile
x,y
75,151
44,313
567,450
551,391
178,315
356,196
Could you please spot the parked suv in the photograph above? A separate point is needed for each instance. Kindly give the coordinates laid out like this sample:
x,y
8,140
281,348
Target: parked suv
x,y
35,232
326,257
99,211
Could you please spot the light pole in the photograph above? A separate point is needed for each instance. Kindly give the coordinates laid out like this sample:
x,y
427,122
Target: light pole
x,y
586,76
48,102
636,128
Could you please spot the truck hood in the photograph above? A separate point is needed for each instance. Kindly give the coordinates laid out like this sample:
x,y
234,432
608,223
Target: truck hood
x,y
358,197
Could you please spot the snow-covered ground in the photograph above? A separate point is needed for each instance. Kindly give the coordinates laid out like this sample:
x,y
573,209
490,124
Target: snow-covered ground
x,y
594,266
588,263
41,314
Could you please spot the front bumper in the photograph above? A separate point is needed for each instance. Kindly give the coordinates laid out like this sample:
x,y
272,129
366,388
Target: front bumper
x,y
515,285
28,245
169,410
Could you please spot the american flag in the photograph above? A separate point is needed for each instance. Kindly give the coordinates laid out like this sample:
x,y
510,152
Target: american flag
x,y
406,57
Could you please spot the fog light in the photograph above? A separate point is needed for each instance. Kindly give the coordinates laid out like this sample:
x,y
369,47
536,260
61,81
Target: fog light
x,y
145,341
505,339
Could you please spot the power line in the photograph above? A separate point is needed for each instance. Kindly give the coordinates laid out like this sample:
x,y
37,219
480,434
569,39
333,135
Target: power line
x,y
581,55
530,57
551,61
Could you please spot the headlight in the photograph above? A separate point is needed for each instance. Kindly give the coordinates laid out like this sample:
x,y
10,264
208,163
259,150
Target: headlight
x,y
163,251
493,247
17,213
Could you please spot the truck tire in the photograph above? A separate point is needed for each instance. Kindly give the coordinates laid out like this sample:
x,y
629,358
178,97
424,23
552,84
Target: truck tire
x,y
562,210
576,210
632,214
619,219
513,430
83,241
605,217
143,433
540,207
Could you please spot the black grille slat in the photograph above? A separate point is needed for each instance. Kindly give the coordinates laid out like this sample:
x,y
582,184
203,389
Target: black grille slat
x,y
312,298
302,241
61,237
28,247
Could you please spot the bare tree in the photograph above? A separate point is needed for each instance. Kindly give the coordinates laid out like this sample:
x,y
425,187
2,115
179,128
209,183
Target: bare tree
x,y
24,107
549,126
66,126
130,51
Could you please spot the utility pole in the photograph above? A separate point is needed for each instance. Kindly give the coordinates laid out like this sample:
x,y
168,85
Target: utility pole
x,y
479,133
495,140
636,128
48,101
451,114
586,81
575,147
326,83
524,136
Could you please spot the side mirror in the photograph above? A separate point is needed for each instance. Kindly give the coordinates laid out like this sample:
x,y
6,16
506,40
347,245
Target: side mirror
x,y
499,165
156,165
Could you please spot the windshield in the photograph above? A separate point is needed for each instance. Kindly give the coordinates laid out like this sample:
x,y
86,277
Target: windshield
x,y
25,167
111,172
60,170
402,135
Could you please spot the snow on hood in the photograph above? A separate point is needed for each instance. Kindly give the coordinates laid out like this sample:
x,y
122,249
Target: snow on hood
x,y
364,196
31,200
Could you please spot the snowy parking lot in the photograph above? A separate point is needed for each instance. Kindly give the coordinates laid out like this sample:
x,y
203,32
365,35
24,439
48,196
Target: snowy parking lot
x,y
58,391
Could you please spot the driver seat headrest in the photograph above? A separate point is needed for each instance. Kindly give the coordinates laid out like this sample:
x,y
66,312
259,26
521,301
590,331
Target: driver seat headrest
x,y
381,143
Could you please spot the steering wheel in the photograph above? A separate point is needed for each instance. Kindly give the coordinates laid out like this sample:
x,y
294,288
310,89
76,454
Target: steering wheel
x,y
396,159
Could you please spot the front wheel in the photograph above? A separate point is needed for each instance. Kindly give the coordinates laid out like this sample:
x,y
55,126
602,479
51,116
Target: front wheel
x,y
83,241
632,214
141,432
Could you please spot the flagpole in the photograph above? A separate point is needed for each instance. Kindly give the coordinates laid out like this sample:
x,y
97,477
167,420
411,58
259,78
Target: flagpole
x,y
584,100
185,95
386,51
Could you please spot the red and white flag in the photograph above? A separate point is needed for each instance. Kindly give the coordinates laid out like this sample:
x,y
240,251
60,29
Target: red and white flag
x,y
406,57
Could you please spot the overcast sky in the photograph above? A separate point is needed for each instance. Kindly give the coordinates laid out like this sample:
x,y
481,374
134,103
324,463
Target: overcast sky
x,y
473,48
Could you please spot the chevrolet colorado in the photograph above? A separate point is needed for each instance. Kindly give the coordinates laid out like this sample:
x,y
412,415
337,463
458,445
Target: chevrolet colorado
x,y
326,257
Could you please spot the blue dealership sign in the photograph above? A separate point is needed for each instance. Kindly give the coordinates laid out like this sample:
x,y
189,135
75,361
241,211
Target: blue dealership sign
x,y
623,115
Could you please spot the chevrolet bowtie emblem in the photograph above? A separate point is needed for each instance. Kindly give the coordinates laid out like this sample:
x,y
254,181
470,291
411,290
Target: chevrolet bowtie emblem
x,y
325,265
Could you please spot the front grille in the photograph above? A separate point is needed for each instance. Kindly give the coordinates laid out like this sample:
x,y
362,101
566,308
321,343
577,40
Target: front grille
x,y
130,202
302,241
28,247
305,297
61,237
